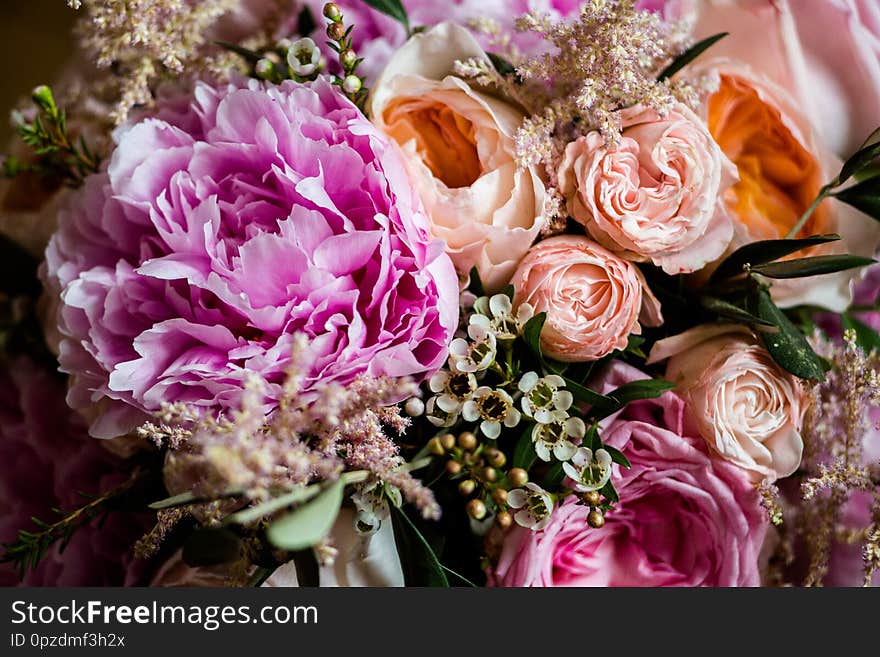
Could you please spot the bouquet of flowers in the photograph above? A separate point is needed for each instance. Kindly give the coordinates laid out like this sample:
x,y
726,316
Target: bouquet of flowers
x,y
456,293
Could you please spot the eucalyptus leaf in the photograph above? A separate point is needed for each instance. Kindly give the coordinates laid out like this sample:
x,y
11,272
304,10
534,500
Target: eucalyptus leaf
x,y
307,525
690,55
757,253
391,8
209,546
863,196
789,348
420,564
869,151
617,456
866,337
812,266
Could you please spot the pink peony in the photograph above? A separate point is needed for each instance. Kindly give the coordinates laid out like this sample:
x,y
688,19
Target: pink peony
x,y
47,461
217,233
684,518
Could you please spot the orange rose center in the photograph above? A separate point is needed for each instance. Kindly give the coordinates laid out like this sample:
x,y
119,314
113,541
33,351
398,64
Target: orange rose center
x,y
779,178
444,140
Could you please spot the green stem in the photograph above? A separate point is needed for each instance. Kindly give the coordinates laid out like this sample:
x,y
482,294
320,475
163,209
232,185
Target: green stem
x,y
823,194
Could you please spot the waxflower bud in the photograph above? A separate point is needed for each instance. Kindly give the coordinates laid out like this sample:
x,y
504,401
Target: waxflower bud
x,y
518,477
490,474
595,519
499,496
467,487
347,58
592,498
43,97
496,457
467,440
336,31
453,467
447,440
504,519
264,69
435,447
414,407
331,11
476,509
351,84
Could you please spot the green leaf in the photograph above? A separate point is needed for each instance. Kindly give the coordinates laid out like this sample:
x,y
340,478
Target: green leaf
x,y
609,492
591,440
690,55
789,348
176,500
617,456
501,65
554,476
475,285
584,394
630,392
308,524
464,579
210,547
757,253
254,513
869,151
421,567
524,455
729,311
863,196
305,22
532,333
866,337
509,291
812,266
392,8
250,55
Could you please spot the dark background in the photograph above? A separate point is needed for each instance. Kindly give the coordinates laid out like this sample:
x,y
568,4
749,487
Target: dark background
x,y
35,41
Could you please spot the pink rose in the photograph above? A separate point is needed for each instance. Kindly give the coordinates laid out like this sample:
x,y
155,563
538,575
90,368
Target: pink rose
x,y
657,195
593,299
684,518
459,149
826,53
748,409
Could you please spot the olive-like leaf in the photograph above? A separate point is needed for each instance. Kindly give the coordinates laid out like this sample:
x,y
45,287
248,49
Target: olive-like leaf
x,y
730,311
788,347
869,151
758,253
812,266
630,392
617,456
863,196
866,337
690,55
420,564
391,8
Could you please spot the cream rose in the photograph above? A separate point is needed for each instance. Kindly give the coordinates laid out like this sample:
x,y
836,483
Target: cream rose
x,y
459,148
748,409
657,194
593,299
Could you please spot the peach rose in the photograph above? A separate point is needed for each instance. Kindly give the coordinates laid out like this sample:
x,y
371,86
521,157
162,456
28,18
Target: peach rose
x,y
825,53
782,166
748,409
593,299
655,196
459,148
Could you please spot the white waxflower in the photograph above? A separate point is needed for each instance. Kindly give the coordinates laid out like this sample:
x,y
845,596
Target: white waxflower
x,y
453,389
478,354
303,57
437,416
535,506
589,471
542,397
556,438
505,323
493,408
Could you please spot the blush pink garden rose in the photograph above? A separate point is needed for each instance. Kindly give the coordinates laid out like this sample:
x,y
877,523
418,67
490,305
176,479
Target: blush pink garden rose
x,y
684,518
657,195
593,299
748,409
217,233
459,148
835,81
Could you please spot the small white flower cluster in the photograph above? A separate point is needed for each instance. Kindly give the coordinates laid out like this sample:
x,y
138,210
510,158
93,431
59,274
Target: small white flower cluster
x,y
456,391
545,402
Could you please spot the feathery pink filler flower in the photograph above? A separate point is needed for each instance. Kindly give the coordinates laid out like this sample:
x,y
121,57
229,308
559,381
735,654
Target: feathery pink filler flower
x,y
218,232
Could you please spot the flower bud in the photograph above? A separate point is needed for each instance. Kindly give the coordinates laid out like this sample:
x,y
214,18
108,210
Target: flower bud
x,y
347,58
504,519
331,11
351,84
593,498
264,69
490,474
595,519
453,467
447,440
435,447
467,487
476,509
467,441
43,97
518,477
336,31
414,407
496,457
499,496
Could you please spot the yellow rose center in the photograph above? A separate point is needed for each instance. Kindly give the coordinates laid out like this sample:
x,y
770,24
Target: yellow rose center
x,y
779,178
444,140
